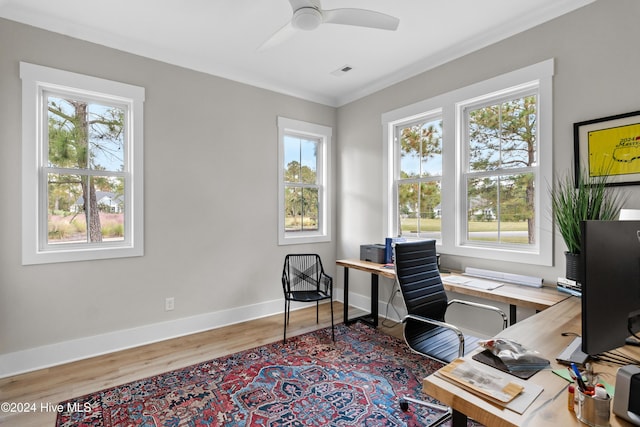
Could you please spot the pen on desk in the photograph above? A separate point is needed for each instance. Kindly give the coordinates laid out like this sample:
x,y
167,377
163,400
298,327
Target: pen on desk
x,y
581,385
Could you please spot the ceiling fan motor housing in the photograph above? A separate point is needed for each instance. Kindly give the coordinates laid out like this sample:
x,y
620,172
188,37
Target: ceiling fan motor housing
x,y
307,18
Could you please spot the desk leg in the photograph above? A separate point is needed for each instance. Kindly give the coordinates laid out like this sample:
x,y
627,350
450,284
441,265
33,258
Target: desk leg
x,y
345,312
370,319
458,419
512,314
374,300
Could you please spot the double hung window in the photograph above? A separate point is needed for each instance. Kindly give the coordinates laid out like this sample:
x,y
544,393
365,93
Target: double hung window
x,y
418,184
82,167
304,151
501,168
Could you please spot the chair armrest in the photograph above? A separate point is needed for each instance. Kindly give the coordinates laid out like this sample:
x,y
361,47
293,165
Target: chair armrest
x,y
434,322
482,306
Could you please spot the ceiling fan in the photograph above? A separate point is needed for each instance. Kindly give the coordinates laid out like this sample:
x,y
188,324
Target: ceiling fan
x,y
308,15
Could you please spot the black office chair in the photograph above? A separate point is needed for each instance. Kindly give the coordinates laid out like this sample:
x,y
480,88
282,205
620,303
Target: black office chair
x,y
304,280
425,329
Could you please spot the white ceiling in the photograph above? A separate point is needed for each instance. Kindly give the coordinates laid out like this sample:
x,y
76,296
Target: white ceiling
x,y
221,37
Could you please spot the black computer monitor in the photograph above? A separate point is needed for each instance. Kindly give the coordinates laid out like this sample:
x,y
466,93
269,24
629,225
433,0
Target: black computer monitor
x,y
610,278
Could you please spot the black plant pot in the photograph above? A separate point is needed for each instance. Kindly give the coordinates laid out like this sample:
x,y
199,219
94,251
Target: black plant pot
x,y
573,266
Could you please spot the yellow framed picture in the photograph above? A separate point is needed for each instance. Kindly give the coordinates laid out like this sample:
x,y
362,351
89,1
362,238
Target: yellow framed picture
x,y
609,146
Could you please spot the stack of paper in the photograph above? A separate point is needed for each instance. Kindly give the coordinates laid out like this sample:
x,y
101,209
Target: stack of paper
x,y
496,386
484,381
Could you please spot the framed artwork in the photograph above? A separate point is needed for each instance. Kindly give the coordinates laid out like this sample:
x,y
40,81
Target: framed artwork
x,y
609,146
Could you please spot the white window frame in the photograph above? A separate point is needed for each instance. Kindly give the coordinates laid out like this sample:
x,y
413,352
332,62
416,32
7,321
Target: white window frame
x,y
36,81
397,125
453,195
323,134
528,89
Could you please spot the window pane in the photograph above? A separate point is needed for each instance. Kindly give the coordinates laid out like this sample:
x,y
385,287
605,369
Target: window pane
x,y
300,159
421,150
308,161
408,199
310,209
430,223
69,214
519,132
482,204
66,219
501,209
516,211
503,135
420,210
85,135
301,209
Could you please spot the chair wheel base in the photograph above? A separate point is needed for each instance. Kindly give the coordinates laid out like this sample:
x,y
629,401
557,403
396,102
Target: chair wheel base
x,y
447,412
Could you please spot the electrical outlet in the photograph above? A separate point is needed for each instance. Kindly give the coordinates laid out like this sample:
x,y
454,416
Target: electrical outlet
x,y
169,304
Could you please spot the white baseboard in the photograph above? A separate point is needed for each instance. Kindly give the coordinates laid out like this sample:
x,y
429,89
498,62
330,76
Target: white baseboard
x,y
82,348
32,359
363,302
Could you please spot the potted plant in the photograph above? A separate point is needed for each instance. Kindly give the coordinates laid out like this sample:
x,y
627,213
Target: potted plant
x,y
577,200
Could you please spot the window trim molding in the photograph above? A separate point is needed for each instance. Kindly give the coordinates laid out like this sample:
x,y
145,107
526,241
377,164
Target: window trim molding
x,y
540,73
37,79
324,134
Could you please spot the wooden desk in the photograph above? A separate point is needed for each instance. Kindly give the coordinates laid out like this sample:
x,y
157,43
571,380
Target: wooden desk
x,y
541,332
514,295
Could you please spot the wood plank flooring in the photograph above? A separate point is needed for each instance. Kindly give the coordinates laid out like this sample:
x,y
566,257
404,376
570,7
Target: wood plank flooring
x,y
56,384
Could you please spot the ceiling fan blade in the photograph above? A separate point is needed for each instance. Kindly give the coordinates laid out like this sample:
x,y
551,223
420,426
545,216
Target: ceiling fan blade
x,y
278,37
361,18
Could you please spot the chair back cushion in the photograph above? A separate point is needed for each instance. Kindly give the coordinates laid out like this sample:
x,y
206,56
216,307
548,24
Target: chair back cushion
x,y
417,273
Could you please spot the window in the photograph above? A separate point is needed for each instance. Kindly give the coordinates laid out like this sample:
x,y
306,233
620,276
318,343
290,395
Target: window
x,y
469,168
418,186
500,168
304,150
82,167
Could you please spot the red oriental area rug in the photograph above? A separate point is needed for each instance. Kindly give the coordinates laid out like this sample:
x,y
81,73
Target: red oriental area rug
x,y
309,381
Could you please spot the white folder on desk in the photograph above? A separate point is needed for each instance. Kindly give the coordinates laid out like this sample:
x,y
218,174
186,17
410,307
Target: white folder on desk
x,y
486,285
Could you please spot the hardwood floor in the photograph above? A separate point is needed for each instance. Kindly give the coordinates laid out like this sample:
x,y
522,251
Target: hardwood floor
x,y
51,386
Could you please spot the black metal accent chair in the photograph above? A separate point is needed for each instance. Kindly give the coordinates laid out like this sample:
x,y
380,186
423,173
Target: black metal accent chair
x,y
425,330
304,280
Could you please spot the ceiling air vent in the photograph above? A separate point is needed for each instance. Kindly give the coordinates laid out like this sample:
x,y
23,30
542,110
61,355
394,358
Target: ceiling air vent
x,y
342,70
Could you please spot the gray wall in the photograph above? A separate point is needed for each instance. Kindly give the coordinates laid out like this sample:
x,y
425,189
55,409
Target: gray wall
x,y
211,211
597,74
211,182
